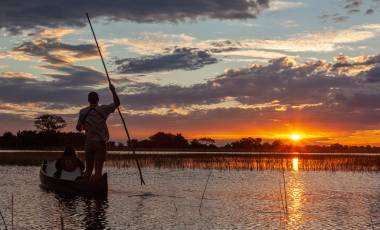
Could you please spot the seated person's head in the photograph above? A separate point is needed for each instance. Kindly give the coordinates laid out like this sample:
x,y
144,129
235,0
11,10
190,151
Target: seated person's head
x,y
68,161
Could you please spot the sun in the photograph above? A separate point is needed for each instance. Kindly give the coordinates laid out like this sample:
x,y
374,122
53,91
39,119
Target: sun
x,y
295,137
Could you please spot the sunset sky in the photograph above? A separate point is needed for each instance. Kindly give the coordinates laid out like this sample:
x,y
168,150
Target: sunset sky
x,y
224,69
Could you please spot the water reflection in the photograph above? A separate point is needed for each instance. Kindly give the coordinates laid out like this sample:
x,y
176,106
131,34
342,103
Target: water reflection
x,y
295,191
94,211
95,214
295,164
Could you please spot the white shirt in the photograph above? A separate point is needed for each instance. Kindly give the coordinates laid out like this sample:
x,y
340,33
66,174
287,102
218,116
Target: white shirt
x,y
93,119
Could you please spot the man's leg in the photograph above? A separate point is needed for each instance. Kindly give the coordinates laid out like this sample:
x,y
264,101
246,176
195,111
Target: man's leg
x,y
89,168
89,157
100,157
98,168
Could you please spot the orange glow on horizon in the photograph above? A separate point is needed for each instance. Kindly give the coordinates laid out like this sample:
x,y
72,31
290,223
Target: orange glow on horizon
x,y
307,135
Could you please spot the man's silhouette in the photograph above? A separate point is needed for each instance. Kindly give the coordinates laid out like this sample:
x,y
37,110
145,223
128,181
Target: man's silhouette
x,y
93,119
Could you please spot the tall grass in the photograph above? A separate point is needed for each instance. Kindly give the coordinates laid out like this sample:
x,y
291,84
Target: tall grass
x,y
224,161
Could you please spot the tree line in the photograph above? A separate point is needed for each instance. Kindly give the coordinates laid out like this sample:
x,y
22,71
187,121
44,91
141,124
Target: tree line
x,y
31,139
48,136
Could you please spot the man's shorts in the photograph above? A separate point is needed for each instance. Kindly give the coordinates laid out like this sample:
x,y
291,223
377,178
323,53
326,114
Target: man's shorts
x,y
95,150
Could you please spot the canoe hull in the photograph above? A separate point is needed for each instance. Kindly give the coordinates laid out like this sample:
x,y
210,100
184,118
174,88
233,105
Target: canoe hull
x,y
69,187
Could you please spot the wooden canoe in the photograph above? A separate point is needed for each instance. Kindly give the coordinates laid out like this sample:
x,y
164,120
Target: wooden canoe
x,y
70,185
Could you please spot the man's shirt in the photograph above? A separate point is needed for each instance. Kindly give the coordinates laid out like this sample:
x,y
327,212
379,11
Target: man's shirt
x,y
93,119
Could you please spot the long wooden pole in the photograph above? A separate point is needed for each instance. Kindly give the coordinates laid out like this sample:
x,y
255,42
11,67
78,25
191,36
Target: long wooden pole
x,y
130,143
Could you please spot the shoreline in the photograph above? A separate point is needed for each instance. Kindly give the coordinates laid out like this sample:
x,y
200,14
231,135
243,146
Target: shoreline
x,y
190,151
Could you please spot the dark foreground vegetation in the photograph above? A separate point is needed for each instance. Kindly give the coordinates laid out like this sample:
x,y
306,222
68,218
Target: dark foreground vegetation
x,y
51,139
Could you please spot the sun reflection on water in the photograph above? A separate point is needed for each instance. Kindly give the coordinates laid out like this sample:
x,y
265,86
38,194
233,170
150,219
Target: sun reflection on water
x,y
295,164
295,194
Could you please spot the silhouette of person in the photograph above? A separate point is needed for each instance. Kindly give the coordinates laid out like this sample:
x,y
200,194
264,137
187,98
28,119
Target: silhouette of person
x,y
92,120
68,162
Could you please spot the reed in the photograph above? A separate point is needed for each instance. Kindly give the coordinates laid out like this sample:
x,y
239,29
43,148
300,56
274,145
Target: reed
x,y
252,161
12,204
62,223
282,207
285,197
175,207
281,198
204,191
5,224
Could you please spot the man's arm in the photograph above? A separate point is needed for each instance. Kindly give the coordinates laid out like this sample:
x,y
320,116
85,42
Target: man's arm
x,y
79,126
116,99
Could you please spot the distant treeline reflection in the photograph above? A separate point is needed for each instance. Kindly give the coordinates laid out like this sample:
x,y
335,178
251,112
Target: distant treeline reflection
x,y
52,139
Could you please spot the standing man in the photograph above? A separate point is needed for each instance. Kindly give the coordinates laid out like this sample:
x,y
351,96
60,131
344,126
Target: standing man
x,y
93,119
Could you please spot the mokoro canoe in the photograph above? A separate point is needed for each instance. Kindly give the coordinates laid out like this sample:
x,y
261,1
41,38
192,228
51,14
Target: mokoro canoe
x,y
68,184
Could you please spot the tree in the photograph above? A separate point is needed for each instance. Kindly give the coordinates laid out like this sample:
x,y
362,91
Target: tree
x,y
8,139
49,123
206,141
168,140
247,143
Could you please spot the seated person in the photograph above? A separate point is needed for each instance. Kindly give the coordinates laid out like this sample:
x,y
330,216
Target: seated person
x,y
68,162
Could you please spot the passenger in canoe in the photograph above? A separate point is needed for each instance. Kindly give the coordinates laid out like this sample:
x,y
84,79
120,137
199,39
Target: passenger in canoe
x,y
68,162
92,120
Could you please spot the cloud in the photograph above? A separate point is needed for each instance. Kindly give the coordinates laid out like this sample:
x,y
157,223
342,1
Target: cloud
x,y
148,43
316,95
201,52
69,85
333,96
20,15
324,41
281,80
178,58
31,110
351,7
53,51
252,53
56,33
9,74
279,5
281,84
369,11
180,51
75,76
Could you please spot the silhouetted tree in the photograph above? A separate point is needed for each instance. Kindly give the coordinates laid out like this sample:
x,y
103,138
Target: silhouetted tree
x,y
48,123
203,143
248,143
206,140
277,146
8,139
168,140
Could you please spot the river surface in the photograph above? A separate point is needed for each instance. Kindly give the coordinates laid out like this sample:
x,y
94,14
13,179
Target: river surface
x,y
264,197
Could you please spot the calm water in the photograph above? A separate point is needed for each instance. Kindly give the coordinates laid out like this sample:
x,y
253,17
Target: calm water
x,y
241,194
